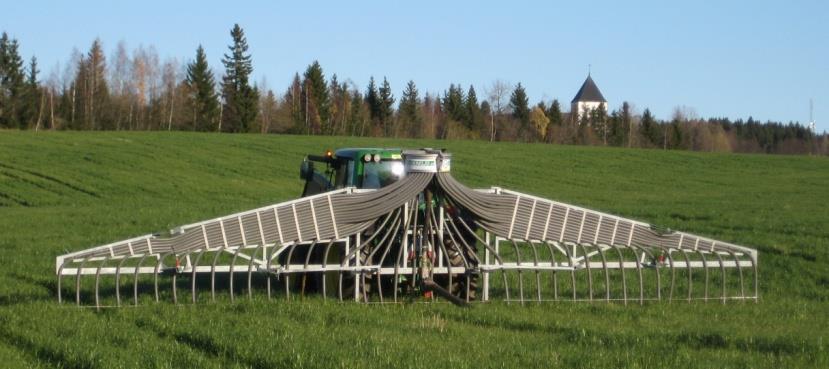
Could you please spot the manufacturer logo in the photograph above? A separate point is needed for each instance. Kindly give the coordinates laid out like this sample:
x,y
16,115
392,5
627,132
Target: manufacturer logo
x,y
421,165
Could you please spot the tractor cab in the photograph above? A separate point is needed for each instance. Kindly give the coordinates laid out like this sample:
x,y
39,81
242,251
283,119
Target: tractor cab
x,y
365,168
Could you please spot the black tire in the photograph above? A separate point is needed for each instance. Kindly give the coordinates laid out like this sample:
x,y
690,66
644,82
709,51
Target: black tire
x,y
364,280
460,281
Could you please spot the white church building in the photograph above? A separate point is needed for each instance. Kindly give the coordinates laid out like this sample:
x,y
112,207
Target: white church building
x,y
588,98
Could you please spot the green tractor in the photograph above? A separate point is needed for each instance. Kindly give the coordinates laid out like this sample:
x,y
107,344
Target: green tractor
x,y
372,168
365,168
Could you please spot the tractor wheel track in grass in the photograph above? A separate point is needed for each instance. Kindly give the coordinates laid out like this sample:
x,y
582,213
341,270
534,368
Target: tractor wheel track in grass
x,y
15,200
52,179
45,355
778,346
203,343
31,182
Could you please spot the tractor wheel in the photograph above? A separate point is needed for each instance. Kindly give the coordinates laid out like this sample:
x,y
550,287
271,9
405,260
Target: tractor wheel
x,y
365,281
460,281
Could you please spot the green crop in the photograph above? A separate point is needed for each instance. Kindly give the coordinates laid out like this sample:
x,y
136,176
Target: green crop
x,y
67,191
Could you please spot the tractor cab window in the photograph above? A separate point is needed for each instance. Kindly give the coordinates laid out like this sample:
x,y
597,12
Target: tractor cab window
x,y
349,176
342,173
384,173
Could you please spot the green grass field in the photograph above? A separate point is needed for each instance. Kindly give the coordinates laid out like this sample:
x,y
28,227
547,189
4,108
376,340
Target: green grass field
x,y
67,191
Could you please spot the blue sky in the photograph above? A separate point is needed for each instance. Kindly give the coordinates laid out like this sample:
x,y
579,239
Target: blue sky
x,y
764,59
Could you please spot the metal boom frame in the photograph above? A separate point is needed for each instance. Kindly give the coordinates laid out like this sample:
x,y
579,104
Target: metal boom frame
x,y
374,245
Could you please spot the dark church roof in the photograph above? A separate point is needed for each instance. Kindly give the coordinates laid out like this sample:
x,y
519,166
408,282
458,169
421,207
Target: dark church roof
x,y
589,92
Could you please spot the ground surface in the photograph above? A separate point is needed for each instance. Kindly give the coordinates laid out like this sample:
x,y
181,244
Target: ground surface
x,y
63,192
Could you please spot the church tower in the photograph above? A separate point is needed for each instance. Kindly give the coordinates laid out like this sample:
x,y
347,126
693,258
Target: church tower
x,y
588,98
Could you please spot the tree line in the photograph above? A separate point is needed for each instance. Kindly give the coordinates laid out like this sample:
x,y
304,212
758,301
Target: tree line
x,y
134,90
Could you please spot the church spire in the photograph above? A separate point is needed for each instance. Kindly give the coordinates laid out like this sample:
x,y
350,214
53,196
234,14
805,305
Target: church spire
x,y
589,91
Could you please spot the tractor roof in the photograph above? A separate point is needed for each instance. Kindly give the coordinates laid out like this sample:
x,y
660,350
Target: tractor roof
x,y
352,152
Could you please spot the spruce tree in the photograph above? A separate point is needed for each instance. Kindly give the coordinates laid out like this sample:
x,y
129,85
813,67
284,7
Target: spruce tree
x,y
32,97
335,104
357,118
626,122
294,100
649,128
616,129
93,93
676,140
11,82
598,120
585,132
373,100
31,81
315,98
520,108
202,87
453,103
408,110
240,99
554,115
474,118
386,106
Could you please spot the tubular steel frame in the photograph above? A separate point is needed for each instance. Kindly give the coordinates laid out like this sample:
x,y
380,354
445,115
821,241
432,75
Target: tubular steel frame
x,y
374,244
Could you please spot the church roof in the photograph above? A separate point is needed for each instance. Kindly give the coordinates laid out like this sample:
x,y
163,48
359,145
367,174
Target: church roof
x,y
589,92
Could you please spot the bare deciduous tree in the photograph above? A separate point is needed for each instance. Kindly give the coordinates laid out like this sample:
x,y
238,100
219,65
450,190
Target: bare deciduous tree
x,y
496,94
139,82
69,81
169,81
120,81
